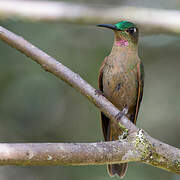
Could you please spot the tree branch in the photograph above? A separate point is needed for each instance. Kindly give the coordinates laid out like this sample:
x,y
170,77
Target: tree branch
x,y
138,146
153,21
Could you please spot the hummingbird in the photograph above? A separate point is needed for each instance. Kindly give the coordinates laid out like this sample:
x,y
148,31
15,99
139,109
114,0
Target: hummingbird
x,y
121,81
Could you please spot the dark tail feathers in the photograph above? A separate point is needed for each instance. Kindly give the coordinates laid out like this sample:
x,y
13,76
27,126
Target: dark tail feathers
x,y
119,169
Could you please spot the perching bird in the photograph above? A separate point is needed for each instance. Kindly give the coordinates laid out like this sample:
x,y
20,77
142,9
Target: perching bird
x,y
121,81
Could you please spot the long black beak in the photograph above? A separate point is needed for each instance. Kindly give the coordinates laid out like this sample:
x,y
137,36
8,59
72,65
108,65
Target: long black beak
x,y
110,26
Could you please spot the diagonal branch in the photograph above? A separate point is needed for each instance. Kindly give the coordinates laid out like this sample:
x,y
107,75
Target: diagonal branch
x,y
153,21
53,66
138,146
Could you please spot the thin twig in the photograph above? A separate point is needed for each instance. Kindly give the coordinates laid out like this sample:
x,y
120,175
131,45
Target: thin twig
x,y
151,21
138,146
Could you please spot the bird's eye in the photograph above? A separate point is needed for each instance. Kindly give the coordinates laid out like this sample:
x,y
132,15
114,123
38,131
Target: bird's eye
x,y
132,30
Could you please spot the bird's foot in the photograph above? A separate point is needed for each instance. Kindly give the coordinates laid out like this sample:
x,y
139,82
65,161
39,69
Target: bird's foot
x,y
122,113
125,110
99,92
119,116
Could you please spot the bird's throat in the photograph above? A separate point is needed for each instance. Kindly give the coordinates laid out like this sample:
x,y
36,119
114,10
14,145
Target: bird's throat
x,y
121,42
122,45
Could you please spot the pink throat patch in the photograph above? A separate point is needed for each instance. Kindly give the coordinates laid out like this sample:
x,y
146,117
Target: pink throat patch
x,y
121,42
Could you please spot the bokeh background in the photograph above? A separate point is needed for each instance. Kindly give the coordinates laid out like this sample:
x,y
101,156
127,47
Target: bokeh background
x,y
35,106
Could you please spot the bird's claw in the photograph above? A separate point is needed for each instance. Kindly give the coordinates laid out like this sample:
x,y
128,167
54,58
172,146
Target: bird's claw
x,y
98,92
119,116
122,113
125,110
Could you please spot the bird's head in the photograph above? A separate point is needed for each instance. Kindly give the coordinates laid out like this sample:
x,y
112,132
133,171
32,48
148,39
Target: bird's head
x,y
126,33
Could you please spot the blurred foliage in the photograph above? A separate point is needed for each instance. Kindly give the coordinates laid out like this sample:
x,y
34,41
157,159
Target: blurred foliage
x,y
35,106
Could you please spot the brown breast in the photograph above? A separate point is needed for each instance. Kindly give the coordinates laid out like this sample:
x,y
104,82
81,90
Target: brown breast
x,y
120,82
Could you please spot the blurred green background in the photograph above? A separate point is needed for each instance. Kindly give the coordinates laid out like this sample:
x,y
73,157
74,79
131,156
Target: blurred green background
x,y
35,106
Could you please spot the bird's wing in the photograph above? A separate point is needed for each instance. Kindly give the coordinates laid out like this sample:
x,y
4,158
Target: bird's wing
x,y
140,79
104,120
